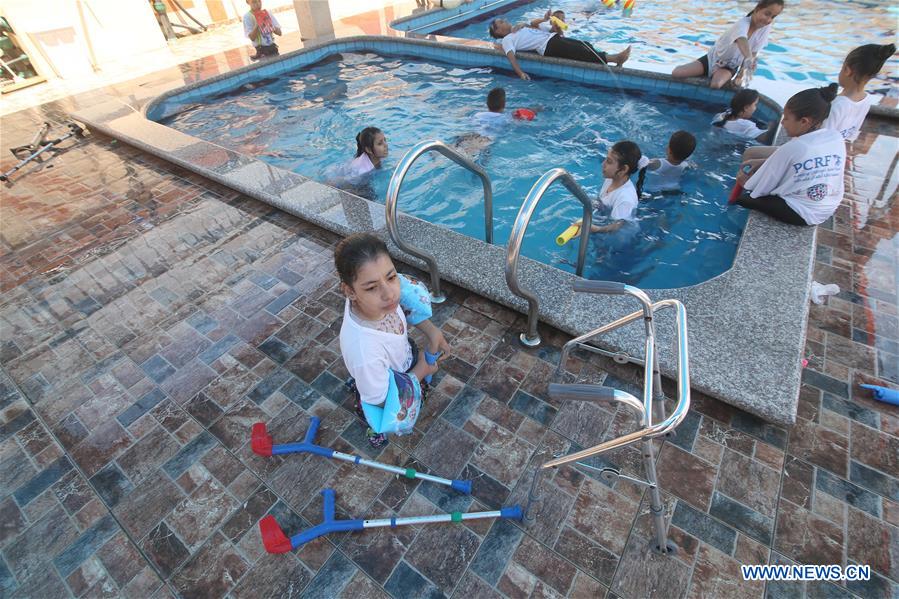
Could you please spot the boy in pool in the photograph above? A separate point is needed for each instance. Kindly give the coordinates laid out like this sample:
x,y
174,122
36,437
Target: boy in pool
x,y
665,173
546,43
547,23
261,26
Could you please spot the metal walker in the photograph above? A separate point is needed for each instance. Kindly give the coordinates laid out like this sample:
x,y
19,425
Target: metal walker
x,y
651,409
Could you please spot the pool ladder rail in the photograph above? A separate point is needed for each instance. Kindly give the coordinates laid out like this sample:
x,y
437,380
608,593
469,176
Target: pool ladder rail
x,y
393,193
651,410
513,252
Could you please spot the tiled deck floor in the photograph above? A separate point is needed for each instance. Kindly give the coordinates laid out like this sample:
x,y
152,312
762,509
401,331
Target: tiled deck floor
x,y
149,317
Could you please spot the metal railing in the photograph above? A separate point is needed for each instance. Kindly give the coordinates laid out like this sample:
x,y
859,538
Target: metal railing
x,y
393,192
652,400
473,11
531,338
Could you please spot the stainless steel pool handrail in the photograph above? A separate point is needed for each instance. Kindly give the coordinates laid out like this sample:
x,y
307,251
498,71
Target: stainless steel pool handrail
x,y
683,386
531,338
393,193
652,392
452,17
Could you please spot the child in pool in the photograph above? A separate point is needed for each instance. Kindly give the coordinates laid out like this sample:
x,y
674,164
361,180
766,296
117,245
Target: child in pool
x,y
736,120
801,183
849,109
496,116
665,173
618,197
547,24
384,362
737,50
371,150
261,26
520,37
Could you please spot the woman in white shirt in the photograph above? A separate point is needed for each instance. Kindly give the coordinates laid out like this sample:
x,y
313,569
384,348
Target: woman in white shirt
x,y
736,50
801,183
849,109
524,38
736,120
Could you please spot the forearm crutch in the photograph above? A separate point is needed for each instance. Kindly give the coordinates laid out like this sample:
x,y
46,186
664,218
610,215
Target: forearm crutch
x,y
39,146
276,541
262,445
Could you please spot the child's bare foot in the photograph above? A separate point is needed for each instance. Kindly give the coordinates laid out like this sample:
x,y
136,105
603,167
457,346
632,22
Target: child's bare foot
x,y
620,58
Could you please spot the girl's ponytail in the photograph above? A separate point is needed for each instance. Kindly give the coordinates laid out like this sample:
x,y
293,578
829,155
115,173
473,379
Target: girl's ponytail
x,y
722,117
866,61
829,92
640,179
630,155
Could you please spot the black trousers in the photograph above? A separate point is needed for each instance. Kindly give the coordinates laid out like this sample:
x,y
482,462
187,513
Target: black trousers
x,y
270,50
773,206
565,47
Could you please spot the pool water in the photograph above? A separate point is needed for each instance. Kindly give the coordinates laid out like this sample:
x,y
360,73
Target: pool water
x,y
807,44
306,122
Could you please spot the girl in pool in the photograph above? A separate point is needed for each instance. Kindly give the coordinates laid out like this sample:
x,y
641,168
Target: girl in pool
x,y
617,201
801,183
736,120
849,109
737,50
384,362
371,149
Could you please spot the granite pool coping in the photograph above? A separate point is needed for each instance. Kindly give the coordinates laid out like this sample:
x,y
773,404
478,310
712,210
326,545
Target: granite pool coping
x,y
746,326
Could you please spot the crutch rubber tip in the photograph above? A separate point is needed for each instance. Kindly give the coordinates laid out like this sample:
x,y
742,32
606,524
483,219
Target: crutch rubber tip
x,y
463,486
273,537
513,512
261,441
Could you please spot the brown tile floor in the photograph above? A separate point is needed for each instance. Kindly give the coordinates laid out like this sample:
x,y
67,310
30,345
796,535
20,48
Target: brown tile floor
x,y
149,317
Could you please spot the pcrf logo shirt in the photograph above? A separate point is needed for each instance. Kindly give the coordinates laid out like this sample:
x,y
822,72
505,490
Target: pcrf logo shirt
x,y
847,116
807,172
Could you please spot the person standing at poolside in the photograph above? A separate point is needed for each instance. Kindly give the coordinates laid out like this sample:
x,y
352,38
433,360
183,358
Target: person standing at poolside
x,y
261,27
736,52
524,38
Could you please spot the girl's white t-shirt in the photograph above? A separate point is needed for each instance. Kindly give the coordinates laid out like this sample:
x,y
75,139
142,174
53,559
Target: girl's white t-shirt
x,y
369,355
621,203
360,165
726,53
846,117
667,176
807,172
526,38
743,128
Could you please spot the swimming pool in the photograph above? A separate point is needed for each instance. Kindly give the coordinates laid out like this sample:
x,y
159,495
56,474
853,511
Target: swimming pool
x,y
808,43
306,122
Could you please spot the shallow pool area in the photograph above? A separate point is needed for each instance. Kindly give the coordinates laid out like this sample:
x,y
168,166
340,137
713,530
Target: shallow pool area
x,y
807,44
306,121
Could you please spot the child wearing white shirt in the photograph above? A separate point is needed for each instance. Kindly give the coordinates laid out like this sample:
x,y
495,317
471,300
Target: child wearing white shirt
x,y
618,197
664,174
736,119
387,369
737,50
801,183
849,109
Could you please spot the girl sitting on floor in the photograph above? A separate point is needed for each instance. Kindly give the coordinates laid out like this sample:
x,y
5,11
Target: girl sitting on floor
x,y
383,360
801,183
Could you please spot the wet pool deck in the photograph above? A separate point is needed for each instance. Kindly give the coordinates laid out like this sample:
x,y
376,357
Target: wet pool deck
x,y
149,317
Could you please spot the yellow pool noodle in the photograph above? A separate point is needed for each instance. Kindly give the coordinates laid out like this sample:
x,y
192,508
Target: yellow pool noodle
x,y
559,23
567,234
